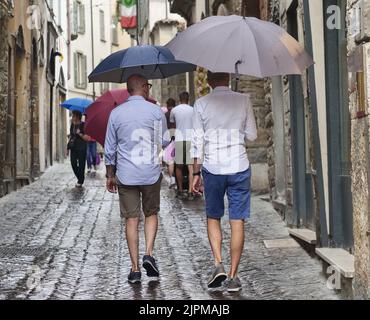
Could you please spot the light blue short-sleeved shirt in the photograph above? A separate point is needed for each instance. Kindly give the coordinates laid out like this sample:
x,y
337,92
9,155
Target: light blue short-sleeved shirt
x,y
137,131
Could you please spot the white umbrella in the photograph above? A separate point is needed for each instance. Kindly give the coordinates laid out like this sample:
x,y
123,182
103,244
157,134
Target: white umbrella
x,y
242,45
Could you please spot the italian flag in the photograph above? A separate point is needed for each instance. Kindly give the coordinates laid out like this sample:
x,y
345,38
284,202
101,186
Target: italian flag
x,y
128,13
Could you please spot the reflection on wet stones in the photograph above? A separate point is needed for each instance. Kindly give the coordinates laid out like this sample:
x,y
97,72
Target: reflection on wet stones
x,y
89,258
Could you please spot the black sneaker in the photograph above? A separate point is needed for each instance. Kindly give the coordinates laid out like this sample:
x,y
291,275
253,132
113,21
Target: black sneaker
x,y
134,277
218,277
150,266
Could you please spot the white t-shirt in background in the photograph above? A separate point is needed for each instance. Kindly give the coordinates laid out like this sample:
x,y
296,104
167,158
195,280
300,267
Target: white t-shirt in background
x,y
182,115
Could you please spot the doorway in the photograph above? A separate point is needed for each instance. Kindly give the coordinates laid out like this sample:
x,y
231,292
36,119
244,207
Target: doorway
x,y
34,108
303,214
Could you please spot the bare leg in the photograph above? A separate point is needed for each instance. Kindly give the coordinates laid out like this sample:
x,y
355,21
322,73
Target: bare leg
x,y
132,237
150,229
190,178
171,170
215,239
179,178
236,245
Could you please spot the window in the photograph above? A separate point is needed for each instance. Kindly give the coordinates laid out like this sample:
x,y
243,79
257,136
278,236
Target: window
x,y
78,18
80,70
102,25
114,31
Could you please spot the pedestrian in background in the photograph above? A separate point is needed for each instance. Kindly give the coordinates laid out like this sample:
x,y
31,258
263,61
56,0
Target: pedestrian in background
x,y
223,122
77,147
181,119
92,155
132,147
170,161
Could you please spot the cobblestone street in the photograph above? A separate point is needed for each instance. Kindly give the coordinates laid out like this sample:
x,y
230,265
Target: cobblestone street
x,y
58,243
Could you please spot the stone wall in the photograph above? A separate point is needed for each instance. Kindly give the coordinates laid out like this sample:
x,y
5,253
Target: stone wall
x,y
360,163
4,15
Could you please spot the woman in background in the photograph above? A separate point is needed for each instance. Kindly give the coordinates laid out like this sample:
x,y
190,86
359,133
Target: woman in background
x,y
77,146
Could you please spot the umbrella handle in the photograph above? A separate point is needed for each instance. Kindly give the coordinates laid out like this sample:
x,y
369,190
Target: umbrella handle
x,y
237,76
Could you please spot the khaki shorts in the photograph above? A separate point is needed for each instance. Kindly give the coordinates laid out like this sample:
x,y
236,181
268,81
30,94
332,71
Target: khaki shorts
x,y
182,153
132,198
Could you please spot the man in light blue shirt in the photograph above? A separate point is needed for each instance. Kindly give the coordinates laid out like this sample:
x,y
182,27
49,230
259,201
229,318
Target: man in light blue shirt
x,y
135,136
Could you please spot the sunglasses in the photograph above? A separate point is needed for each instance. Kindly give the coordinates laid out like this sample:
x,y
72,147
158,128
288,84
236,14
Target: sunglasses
x,y
149,85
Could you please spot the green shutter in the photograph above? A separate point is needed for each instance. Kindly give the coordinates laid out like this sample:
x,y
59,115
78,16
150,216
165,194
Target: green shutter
x,y
84,72
102,25
82,27
75,67
75,19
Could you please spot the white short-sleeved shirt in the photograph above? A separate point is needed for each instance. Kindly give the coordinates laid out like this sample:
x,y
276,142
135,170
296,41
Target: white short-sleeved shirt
x,y
182,115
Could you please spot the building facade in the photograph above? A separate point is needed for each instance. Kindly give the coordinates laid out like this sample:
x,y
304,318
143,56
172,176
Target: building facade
x,y
96,33
319,136
33,46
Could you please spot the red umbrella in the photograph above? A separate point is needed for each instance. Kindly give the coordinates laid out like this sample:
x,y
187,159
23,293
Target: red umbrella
x,y
97,115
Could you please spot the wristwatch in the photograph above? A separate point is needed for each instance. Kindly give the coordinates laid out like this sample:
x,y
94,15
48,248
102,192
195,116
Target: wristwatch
x,y
197,174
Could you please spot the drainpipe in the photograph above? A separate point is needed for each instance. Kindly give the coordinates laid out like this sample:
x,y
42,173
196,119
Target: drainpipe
x,y
69,39
92,44
137,23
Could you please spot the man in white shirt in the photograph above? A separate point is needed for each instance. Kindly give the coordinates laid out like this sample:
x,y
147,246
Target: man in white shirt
x,y
182,118
223,122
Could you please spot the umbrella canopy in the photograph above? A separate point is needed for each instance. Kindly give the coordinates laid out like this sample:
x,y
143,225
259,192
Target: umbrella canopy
x,y
98,113
235,44
152,62
77,104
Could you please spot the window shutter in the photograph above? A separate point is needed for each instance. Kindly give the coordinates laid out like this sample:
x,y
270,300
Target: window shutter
x,y
82,26
102,26
75,66
84,72
75,20
114,32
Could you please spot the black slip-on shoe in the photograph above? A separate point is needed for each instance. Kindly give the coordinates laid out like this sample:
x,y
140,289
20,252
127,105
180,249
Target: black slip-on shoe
x,y
134,277
150,266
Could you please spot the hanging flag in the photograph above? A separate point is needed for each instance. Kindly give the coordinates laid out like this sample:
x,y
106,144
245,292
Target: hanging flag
x,y
128,13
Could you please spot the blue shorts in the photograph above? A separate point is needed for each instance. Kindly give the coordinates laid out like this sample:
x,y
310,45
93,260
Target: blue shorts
x,y
237,187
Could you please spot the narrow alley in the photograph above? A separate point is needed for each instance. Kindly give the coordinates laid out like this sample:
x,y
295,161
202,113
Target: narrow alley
x,y
59,243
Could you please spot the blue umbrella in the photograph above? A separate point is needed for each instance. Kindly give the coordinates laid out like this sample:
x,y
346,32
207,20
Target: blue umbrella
x,y
152,62
77,104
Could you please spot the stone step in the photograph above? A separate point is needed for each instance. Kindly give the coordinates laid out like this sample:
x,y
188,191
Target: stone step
x,y
341,259
306,235
281,243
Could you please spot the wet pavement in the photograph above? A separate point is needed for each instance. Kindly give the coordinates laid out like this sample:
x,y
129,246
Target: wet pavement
x,y
60,243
